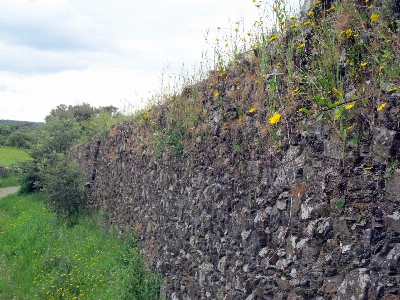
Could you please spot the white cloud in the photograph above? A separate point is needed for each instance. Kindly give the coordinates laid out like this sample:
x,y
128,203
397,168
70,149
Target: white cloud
x,y
51,25
102,51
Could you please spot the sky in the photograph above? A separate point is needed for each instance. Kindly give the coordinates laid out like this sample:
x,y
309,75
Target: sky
x,y
104,52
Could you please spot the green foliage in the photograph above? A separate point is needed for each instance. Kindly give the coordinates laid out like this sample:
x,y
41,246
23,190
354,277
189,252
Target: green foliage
x,y
43,258
63,185
171,139
340,204
31,178
98,124
55,136
58,135
7,129
16,134
80,112
20,139
135,279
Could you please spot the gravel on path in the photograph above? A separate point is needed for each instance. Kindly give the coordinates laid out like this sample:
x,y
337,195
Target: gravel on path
x,y
8,190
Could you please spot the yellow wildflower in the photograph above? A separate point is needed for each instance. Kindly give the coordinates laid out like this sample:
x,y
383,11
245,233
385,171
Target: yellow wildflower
x,y
381,106
293,18
337,116
251,110
300,109
317,2
349,106
368,168
275,8
307,22
393,89
349,33
216,94
296,90
371,6
293,26
218,27
281,22
364,64
374,17
258,4
338,92
331,9
272,38
311,13
301,46
355,35
275,118
381,68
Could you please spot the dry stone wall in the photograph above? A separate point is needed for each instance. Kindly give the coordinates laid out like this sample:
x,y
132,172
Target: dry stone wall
x,y
306,223
253,211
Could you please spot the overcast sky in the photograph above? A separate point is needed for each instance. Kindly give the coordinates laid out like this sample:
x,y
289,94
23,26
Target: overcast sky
x,y
102,51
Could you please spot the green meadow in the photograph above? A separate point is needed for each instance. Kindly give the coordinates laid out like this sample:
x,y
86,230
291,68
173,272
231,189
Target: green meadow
x,y
12,157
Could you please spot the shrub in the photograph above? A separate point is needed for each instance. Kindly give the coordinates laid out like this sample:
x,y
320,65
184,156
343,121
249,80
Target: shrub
x,y
63,187
20,139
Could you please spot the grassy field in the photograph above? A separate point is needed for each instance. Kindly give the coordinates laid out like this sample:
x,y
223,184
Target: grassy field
x,y
41,258
12,157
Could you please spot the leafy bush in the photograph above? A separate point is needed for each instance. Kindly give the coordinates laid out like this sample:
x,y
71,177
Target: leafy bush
x,y
30,179
63,187
98,124
20,139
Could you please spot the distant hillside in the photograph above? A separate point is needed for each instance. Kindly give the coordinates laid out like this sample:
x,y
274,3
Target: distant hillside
x,y
23,123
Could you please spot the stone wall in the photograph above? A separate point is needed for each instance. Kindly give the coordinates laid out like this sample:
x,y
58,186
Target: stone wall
x,y
7,170
250,210
218,224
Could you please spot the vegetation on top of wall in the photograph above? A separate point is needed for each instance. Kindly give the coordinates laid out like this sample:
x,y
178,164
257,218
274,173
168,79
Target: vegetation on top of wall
x,y
333,65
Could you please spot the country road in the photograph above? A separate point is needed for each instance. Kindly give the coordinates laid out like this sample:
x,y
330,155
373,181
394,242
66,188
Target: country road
x,y
8,190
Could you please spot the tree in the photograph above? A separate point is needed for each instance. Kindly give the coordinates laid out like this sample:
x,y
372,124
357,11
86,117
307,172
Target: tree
x,y
54,137
60,134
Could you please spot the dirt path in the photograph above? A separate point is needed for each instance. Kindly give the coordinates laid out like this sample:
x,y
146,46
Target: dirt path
x,y
8,190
